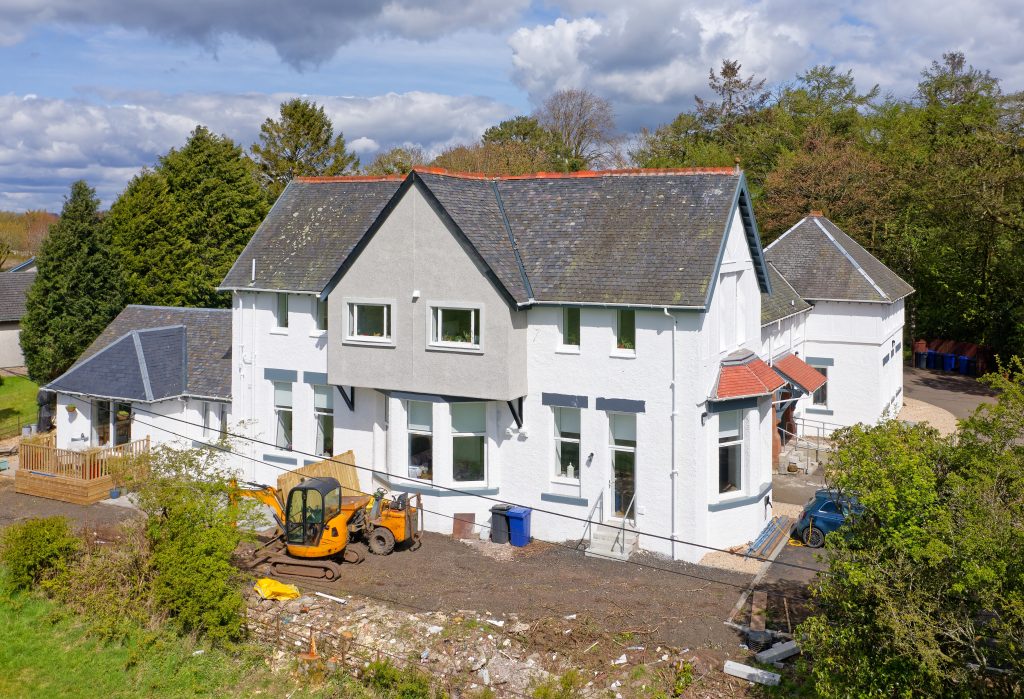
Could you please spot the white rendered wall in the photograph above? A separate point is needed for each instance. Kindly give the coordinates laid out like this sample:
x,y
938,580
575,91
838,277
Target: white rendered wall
x,y
10,347
258,346
864,341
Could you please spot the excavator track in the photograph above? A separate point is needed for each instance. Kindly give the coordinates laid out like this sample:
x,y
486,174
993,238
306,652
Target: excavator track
x,y
305,567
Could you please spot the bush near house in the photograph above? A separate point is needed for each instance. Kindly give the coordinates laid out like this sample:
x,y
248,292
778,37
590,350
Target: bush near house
x,y
925,595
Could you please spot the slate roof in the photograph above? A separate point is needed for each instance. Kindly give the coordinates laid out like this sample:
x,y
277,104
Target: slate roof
x,y
151,353
744,375
619,237
13,288
823,263
309,233
783,301
799,372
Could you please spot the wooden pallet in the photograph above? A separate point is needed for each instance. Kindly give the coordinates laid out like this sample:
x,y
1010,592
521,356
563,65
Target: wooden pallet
x,y
74,490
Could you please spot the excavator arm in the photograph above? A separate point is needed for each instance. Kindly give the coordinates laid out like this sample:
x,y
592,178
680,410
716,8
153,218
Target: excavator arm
x,y
267,494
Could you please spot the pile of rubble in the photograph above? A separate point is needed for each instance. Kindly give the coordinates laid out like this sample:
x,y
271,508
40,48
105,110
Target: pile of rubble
x,y
462,651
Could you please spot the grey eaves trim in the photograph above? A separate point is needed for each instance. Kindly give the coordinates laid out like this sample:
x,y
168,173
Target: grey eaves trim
x,y
600,304
267,291
819,411
791,315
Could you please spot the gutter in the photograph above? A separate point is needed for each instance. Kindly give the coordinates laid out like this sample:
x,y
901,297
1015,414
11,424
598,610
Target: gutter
x,y
598,304
674,468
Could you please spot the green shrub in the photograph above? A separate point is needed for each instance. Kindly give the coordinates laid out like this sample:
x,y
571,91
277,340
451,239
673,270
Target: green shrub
x,y
110,585
389,681
568,686
36,548
192,534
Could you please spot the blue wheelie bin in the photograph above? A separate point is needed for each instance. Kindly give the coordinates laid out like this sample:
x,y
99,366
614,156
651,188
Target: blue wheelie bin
x,y
949,362
930,360
519,525
965,363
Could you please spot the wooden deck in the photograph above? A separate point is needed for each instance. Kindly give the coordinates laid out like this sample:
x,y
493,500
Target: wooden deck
x,y
80,477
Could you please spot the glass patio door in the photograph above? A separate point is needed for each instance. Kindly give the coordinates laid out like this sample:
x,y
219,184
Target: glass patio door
x,y
623,458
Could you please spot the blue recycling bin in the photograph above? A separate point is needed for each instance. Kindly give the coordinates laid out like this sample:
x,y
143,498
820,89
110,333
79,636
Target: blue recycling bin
x,y
519,525
921,360
948,361
965,363
930,360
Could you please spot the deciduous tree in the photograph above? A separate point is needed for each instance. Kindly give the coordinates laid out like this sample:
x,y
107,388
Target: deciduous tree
x,y
582,129
396,161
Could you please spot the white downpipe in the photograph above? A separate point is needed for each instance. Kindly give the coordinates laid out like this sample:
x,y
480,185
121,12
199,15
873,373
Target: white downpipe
x,y
674,472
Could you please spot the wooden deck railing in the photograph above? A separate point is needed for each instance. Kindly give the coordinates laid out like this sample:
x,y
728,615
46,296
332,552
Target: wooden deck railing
x,y
42,456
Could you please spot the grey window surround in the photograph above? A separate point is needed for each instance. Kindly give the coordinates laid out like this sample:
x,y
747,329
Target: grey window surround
x,y
820,361
315,377
564,400
274,458
620,405
564,499
281,375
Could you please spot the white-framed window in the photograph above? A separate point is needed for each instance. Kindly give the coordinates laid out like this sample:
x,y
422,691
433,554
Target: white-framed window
x,y
730,451
281,311
101,423
622,444
567,443
283,414
571,327
455,327
420,417
469,442
625,330
369,322
820,397
323,414
320,313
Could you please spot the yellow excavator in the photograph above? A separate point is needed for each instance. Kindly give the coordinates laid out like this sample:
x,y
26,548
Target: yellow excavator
x,y
316,524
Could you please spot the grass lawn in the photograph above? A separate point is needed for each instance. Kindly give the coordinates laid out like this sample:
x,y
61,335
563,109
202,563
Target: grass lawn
x,y
17,404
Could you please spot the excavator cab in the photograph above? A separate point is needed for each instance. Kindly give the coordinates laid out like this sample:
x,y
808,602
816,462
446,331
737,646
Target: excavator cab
x,y
311,505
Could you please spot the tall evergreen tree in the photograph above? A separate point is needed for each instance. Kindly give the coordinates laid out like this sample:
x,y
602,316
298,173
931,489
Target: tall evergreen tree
x,y
178,228
300,143
76,292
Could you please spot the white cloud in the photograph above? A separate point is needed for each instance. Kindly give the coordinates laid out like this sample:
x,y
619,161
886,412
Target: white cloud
x,y
48,143
649,57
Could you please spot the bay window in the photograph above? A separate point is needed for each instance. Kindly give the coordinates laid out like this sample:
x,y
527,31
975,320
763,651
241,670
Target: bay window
x,y
323,413
469,441
730,450
420,415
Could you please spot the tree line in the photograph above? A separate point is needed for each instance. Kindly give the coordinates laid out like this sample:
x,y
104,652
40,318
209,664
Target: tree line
x,y
932,184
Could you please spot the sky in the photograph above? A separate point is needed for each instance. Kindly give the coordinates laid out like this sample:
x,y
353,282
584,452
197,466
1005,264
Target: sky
x,y
98,89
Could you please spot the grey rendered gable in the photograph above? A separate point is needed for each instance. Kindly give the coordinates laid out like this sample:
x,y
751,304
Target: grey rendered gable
x,y
413,180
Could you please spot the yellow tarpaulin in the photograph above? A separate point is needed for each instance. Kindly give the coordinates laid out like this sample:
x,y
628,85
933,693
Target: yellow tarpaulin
x,y
268,588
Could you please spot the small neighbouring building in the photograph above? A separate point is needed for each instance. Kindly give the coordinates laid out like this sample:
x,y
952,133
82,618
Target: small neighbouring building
x,y
155,375
14,287
850,329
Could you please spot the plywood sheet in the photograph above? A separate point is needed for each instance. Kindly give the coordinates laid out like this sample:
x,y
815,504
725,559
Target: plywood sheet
x,y
341,467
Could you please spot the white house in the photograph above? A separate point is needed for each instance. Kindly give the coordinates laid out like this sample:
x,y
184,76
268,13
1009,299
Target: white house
x,y
611,349
13,289
586,345
156,372
853,331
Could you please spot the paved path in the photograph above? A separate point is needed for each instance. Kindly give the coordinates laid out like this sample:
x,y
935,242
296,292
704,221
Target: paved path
x,y
956,393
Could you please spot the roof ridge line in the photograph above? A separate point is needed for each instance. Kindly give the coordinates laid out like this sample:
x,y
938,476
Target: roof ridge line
x,y
143,367
540,175
848,256
788,231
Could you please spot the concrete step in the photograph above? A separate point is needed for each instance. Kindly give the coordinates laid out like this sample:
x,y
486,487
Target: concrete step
x,y
611,541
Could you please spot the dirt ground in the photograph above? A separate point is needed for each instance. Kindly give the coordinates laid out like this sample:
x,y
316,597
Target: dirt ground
x,y
14,507
683,605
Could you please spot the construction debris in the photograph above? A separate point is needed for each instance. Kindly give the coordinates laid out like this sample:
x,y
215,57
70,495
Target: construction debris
x,y
780,651
752,674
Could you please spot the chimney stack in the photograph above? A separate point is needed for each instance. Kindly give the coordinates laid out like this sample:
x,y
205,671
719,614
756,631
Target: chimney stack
x,y
817,213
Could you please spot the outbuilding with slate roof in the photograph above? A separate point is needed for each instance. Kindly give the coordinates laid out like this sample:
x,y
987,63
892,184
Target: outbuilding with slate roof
x,y
852,332
14,288
150,373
